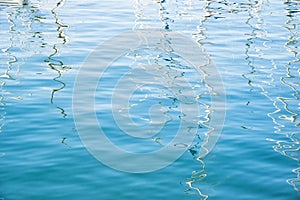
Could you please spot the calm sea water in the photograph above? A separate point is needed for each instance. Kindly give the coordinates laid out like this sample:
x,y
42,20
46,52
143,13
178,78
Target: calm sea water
x,y
255,46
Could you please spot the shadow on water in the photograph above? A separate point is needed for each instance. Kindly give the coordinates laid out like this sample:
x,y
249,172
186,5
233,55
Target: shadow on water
x,y
268,77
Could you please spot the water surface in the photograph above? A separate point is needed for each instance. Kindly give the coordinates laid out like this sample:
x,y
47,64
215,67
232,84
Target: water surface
x,y
255,46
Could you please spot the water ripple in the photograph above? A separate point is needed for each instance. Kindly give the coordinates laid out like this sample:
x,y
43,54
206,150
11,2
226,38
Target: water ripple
x,y
267,78
55,63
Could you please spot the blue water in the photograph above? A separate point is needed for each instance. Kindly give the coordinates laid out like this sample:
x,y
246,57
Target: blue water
x,y
253,44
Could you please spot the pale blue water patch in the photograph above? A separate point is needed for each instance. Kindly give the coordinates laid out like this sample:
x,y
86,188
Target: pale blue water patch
x,y
255,46
163,97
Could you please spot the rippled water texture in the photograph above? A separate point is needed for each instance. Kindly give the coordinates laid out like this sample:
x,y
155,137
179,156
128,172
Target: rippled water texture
x,y
255,47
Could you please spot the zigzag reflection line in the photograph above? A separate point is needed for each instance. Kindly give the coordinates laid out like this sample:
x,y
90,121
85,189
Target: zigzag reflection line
x,y
55,64
294,142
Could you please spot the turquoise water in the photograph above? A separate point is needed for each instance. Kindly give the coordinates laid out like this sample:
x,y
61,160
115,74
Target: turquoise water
x,y
255,47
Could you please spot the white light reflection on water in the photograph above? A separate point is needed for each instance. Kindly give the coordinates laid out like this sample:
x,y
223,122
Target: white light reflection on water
x,y
255,45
